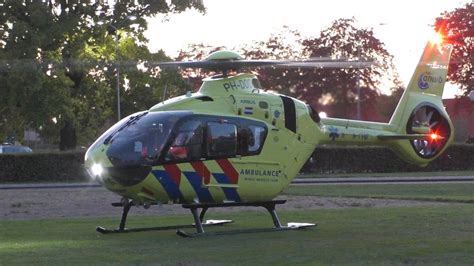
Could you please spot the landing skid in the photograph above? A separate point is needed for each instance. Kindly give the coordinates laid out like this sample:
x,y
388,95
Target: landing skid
x,y
103,230
199,218
243,231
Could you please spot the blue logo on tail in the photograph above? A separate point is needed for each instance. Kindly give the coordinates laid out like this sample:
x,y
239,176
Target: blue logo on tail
x,y
422,82
426,78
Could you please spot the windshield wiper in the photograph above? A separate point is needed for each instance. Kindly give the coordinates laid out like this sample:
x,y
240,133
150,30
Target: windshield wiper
x,y
130,121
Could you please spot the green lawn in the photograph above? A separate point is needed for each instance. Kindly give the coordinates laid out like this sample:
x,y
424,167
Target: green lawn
x,y
458,192
409,235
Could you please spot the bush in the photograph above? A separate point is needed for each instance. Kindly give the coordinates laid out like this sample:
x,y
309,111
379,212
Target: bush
x,y
43,167
327,160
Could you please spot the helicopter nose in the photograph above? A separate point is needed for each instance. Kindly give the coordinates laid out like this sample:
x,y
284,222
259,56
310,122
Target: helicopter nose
x,y
128,175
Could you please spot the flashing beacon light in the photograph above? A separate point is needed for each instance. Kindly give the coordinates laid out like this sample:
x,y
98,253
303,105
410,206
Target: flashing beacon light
x,y
436,38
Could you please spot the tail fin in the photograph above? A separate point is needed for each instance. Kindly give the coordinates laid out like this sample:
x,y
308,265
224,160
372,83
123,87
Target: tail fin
x,y
429,77
421,111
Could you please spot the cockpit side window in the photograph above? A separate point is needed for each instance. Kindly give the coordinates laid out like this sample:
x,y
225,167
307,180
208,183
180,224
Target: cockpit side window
x,y
187,142
141,139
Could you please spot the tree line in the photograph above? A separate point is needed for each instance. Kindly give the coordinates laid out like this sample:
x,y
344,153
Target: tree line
x,y
60,62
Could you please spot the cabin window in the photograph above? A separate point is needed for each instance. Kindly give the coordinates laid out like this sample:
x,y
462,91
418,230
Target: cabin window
x,y
256,138
221,139
187,142
202,137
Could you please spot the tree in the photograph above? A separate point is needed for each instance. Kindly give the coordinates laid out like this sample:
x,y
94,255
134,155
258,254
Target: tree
x,y
332,90
284,45
52,50
147,87
458,29
29,92
340,86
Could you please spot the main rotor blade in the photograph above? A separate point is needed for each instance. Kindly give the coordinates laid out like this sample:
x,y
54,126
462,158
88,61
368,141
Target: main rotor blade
x,y
239,64
336,64
222,65
214,64
218,65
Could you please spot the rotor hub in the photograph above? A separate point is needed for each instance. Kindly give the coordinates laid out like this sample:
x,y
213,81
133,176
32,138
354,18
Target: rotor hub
x,y
224,55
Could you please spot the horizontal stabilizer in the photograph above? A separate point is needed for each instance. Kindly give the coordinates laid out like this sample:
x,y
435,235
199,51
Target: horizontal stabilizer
x,y
407,136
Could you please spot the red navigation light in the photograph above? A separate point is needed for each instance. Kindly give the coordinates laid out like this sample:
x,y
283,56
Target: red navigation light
x,y
435,137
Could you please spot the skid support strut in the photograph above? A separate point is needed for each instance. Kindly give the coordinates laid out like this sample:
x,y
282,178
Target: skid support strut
x,y
127,204
126,209
268,205
271,209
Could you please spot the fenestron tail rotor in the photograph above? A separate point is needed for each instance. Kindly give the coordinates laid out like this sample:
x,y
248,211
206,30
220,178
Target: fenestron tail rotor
x,y
427,120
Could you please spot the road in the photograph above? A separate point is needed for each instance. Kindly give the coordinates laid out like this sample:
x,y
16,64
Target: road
x,y
296,181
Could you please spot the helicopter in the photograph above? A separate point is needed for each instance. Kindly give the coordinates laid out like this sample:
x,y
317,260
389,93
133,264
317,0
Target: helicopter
x,y
234,144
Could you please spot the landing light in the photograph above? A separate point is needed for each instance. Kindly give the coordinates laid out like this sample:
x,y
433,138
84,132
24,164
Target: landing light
x,y
97,169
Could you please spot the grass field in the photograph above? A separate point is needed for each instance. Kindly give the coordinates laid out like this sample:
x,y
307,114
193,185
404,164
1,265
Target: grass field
x,y
427,235
436,192
410,235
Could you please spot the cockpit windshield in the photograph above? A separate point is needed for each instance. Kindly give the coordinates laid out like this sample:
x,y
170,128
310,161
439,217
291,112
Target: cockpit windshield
x,y
141,141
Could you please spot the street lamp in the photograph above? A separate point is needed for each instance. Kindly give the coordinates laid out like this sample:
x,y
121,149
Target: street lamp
x,y
117,66
358,101
358,84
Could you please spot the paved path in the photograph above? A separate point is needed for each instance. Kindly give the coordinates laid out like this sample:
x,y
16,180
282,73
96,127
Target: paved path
x,y
60,202
54,200
297,181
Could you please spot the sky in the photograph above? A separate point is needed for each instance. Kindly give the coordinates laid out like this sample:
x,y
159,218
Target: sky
x,y
404,26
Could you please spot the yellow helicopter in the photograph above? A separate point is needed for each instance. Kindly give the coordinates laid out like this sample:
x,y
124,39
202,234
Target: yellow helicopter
x,y
234,144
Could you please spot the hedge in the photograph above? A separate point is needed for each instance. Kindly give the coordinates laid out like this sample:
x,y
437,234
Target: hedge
x,y
43,167
68,167
328,160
